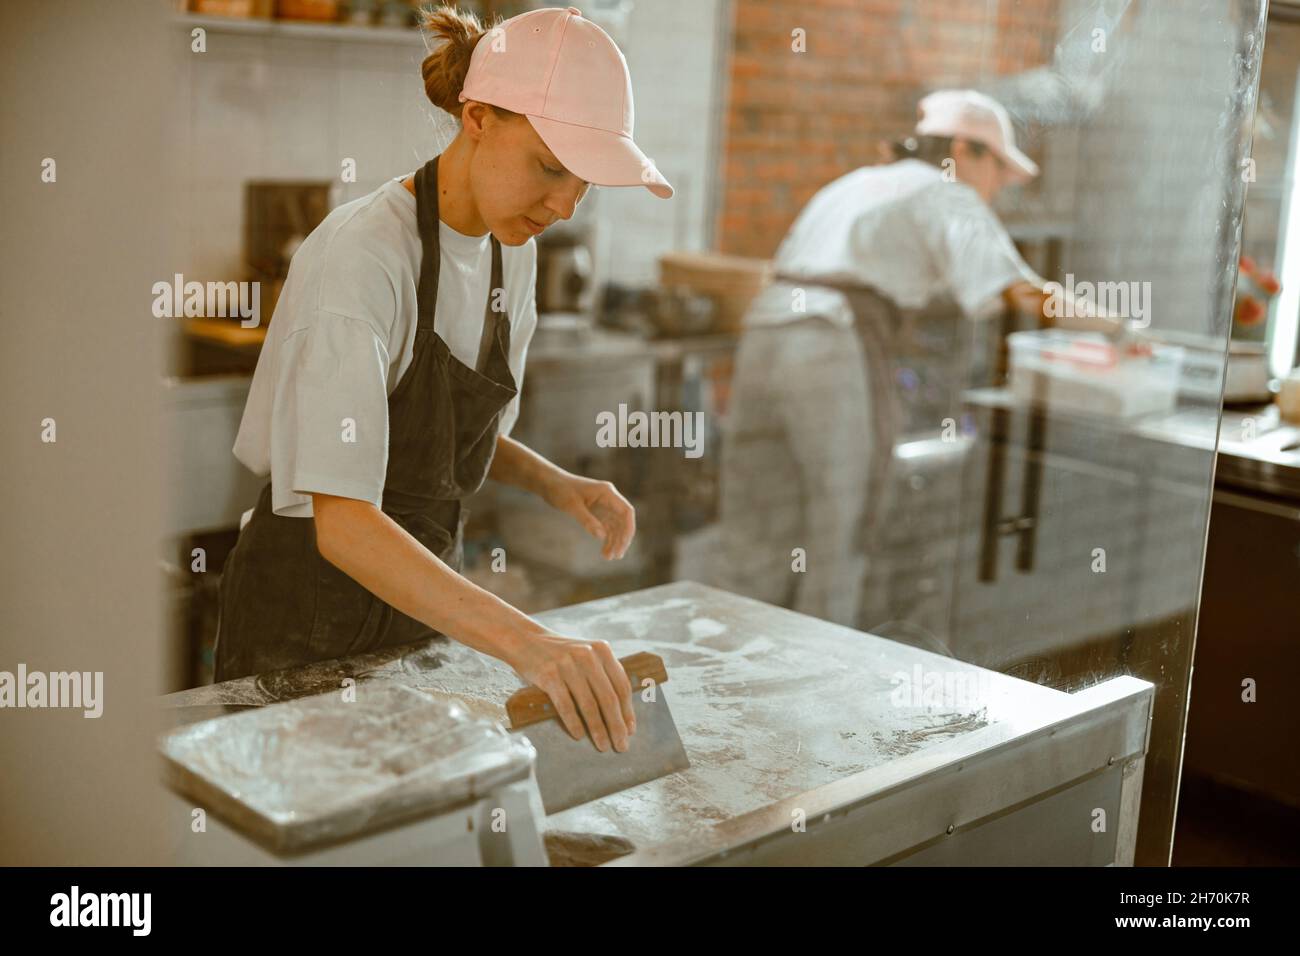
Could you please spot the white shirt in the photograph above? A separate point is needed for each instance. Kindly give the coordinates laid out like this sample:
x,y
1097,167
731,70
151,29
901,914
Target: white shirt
x,y
902,229
343,334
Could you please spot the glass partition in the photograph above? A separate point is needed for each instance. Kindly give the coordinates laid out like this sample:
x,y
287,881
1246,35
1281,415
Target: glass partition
x,y
942,306
1044,507
1036,501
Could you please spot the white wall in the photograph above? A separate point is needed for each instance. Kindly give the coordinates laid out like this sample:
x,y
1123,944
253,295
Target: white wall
x,y
274,107
675,52
80,588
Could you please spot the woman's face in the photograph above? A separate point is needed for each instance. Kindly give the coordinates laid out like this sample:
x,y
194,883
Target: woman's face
x,y
984,171
519,186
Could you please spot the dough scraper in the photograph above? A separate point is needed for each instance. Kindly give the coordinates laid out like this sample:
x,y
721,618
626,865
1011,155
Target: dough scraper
x,y
570,772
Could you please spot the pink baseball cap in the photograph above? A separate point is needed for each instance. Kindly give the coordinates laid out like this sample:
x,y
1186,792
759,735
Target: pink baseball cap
x,y
967,114
566,75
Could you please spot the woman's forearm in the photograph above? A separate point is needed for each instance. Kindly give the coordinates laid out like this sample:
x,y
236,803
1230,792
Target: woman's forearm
x,y
376,552
516,464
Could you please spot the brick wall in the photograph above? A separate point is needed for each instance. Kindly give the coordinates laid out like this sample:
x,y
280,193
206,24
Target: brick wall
x,y
795,121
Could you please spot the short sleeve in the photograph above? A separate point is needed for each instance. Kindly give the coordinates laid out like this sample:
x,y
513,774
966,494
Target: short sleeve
x,y
329,419
975,254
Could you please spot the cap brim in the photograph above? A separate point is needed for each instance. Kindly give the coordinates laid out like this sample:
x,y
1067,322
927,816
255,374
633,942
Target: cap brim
x,y
1020,168
599,156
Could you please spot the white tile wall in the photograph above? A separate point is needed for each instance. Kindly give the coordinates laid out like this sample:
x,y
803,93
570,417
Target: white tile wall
x,y
672,49
276,107
1158,159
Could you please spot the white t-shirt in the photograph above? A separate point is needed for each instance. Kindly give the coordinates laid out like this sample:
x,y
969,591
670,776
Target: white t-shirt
x,y
343,334
902,229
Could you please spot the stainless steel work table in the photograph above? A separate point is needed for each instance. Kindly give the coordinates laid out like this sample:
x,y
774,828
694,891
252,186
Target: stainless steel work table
x,y
801,751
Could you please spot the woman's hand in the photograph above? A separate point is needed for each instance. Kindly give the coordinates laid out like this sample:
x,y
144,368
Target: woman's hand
x,y
581,678
598,507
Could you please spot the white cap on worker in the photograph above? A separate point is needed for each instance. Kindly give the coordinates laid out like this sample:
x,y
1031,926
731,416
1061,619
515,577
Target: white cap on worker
x,y
973,116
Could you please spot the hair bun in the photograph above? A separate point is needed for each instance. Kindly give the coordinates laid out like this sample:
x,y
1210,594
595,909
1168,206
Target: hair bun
x,y
445,68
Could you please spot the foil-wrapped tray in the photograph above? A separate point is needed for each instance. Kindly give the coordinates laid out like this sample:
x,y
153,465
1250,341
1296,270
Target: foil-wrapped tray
x,y
324,769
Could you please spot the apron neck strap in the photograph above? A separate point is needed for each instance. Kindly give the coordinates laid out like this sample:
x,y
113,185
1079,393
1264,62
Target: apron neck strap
x,y
492,318
427,219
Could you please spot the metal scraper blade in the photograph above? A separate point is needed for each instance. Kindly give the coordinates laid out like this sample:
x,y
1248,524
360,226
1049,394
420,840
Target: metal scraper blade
x,y
571,772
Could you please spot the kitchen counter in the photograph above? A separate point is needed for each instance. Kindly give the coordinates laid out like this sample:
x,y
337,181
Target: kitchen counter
x,y
1266,460
1257,449
1057,483
773,706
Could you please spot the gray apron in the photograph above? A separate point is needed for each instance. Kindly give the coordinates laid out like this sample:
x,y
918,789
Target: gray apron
x,y
879,325
281,603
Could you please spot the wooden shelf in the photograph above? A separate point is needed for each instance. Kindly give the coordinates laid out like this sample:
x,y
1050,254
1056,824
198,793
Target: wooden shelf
x,y
302,29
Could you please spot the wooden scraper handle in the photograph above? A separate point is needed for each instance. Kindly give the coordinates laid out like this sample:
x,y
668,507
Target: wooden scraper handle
x,y
530,705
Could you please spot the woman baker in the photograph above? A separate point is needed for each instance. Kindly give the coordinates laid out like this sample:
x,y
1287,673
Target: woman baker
x,y
389,381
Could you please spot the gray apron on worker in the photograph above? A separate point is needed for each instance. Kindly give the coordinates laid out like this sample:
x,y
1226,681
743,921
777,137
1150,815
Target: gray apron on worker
x,y
879,325
281,603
